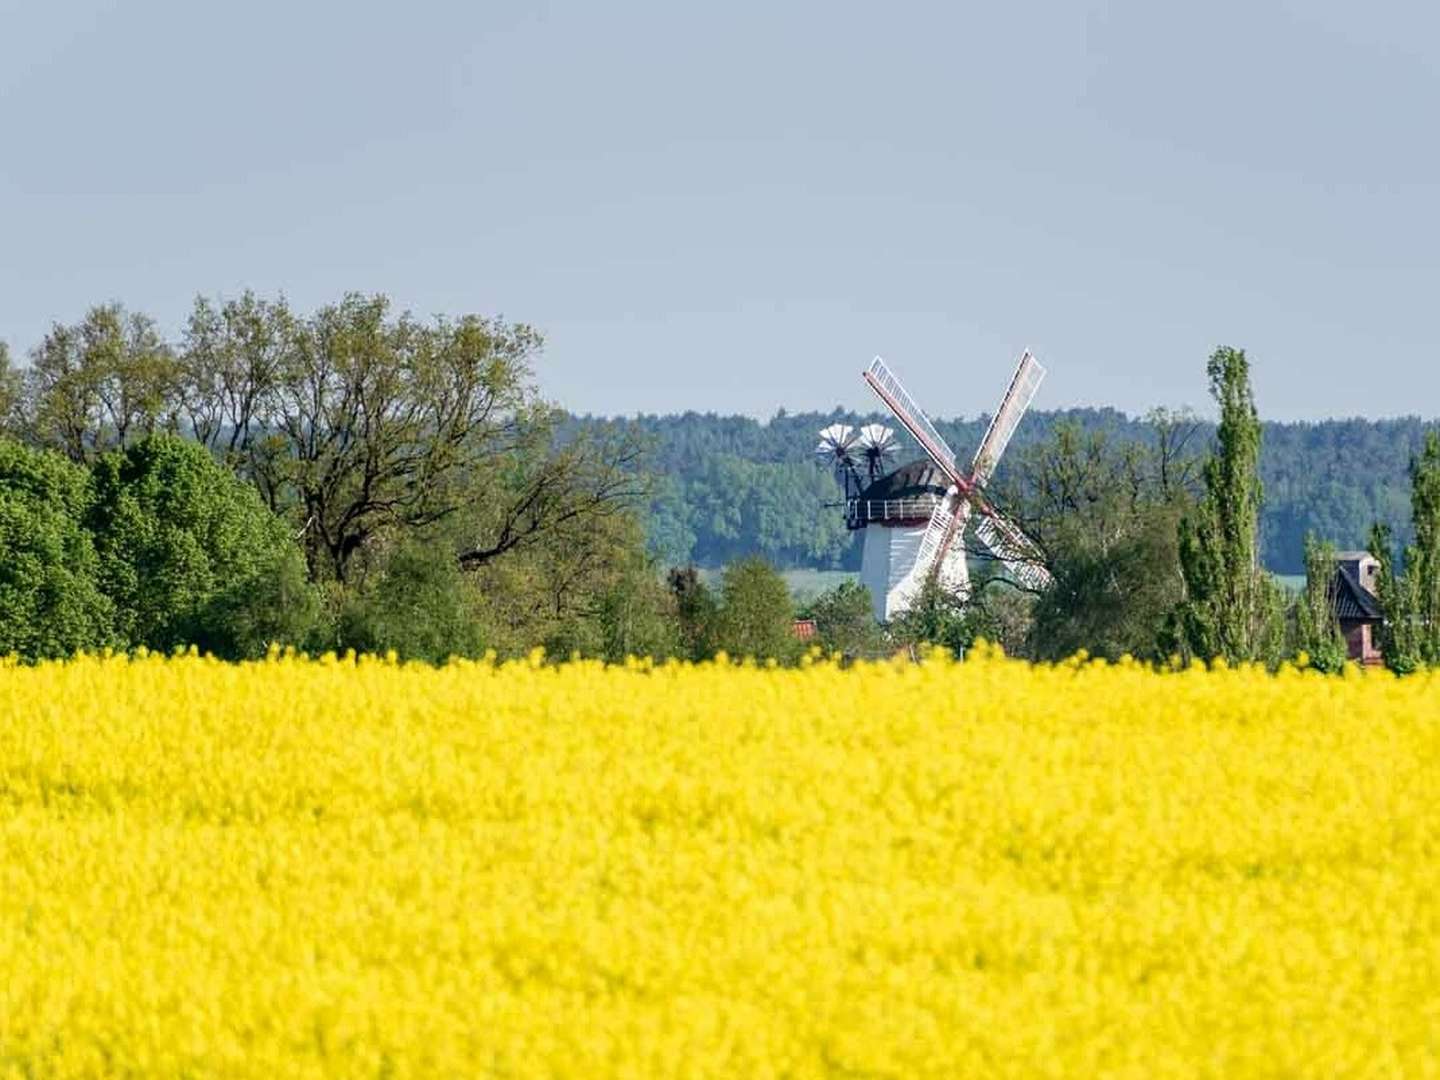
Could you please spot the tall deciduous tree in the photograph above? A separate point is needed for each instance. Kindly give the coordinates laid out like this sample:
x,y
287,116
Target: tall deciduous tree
x,y
191,556
11,390
101,383
1105,510
1410,634
1316,627
50,599
232,358
1232,608
696,611
756,617
844,617
359,422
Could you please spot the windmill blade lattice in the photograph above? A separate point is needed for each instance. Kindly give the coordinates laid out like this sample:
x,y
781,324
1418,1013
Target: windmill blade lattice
x,y
1016,552
947,522
893,393
1023,384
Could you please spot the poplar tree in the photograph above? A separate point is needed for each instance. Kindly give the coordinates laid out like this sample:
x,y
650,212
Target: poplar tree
x,y
1319,631
1232,609
1410,634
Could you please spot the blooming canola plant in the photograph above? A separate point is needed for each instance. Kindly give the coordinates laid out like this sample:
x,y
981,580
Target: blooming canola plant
x,y
358,868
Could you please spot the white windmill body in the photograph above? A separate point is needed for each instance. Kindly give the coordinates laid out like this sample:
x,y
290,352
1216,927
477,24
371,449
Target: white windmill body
x,y
914,518
893,513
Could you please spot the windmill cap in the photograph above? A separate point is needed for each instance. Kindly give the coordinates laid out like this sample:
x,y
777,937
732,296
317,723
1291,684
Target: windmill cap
x,y
912,480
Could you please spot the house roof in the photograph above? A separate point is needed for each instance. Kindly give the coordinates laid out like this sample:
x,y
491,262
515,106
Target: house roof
x,y
1350,600
910,481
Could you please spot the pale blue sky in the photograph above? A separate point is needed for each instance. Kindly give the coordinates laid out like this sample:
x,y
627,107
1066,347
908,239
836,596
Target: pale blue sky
x,y
734,206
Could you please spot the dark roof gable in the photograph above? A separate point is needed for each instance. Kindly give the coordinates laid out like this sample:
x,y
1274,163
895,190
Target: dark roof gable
x,y
1350,600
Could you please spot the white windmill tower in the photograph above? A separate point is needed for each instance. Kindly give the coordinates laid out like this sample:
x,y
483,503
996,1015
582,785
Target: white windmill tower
x,y
914,518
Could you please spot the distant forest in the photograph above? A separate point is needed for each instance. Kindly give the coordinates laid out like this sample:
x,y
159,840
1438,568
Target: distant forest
x,y
731,486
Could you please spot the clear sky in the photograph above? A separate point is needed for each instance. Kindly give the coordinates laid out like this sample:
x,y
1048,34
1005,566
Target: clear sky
x,y
733,206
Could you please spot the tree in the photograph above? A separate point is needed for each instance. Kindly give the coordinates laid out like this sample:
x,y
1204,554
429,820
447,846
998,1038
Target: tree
x,y
189,555
231,362
696,612
11,391
1111,599
1410,633
637,616
545,489
1174,431
1104,510
936,616
670,536
357,423
101,383
1232,608
756,616
50,600
1317,630
845,621
419,604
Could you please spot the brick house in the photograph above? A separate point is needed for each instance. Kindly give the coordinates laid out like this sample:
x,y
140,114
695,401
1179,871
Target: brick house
x,y
1356,607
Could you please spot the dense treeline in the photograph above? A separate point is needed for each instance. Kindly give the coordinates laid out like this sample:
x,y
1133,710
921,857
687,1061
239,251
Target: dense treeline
x,y
729,486
356,478
348,478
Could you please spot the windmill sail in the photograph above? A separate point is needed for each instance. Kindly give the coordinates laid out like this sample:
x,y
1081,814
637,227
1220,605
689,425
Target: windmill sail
x,y
890,390
1023,384
946,524
1016,551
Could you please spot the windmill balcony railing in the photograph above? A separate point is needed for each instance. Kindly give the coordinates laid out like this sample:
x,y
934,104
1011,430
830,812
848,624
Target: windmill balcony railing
x,y
861,512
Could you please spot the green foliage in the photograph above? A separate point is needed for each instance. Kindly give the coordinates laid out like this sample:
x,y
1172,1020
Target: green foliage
x,y
1410,634
1112,598
637,616
845,621
1232,608
756,617
11,393
938,617
1104,510
669,526
1398,635
50,601
731,508
418,604
190,556
1332,477
696,613
1317,631
101,383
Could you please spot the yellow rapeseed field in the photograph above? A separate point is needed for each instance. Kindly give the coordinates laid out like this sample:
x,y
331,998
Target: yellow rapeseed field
x,y
334,868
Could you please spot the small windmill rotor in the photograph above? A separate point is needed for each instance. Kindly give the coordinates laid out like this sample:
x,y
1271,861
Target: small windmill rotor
x,y
837,445
876,443
965,496
838,449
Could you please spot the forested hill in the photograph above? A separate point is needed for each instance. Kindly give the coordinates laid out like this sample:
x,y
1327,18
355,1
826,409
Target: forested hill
x,y
729,486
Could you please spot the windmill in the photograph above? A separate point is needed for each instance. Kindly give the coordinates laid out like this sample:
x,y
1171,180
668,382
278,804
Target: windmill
x,y
916,516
